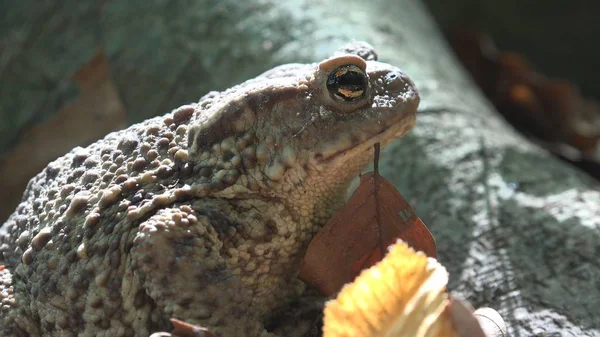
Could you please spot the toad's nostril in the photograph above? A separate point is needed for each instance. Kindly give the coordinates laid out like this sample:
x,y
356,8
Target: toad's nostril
x,y
393,80
391,77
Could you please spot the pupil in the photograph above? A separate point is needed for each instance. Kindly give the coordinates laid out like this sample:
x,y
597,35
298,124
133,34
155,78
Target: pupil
x,y
351,78
347,83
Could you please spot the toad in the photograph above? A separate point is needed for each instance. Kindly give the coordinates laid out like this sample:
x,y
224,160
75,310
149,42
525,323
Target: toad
x,y
203,214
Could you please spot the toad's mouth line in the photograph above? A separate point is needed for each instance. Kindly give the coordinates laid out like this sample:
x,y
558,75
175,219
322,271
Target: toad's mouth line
x,y
385,136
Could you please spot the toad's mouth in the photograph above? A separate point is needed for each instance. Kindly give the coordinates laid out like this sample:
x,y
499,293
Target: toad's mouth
x,y
384,137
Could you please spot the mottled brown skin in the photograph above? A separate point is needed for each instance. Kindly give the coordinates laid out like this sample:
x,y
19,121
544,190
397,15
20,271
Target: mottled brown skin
x,y
203,214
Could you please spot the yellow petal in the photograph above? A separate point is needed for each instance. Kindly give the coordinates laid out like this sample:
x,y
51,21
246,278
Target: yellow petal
x,y
404,295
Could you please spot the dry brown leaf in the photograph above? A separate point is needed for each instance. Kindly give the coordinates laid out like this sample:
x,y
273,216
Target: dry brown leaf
x,y
357,236
183,329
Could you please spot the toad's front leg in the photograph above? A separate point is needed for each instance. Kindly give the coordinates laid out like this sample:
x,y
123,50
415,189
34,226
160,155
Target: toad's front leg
x,y
209,263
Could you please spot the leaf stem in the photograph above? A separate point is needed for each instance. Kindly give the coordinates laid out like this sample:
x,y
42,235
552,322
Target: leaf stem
x,y
376,159
377,199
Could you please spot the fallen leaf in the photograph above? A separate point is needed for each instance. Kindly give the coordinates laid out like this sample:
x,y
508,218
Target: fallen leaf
x,y
357,236
183,329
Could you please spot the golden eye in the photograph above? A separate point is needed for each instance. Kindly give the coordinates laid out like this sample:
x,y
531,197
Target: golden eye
x,y
347,83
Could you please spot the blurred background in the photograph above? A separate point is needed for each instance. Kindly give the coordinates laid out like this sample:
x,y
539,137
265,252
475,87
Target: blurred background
x,y
537,63
72,71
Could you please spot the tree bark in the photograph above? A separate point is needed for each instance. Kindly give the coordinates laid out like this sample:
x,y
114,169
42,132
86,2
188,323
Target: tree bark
x,y
517,229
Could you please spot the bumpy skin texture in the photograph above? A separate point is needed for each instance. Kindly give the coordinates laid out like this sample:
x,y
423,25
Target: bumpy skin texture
x,y
203,214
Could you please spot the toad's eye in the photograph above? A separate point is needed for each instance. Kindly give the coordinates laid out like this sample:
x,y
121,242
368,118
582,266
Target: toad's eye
x,y
347,83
